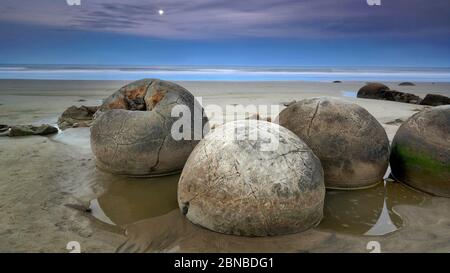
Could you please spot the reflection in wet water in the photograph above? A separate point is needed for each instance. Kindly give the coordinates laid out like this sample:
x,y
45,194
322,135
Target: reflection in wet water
x,y
349,94
369,212
365,212
148,209
126,200
78,137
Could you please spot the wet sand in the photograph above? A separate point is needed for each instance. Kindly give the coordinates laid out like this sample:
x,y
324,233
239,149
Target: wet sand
x,y
51,193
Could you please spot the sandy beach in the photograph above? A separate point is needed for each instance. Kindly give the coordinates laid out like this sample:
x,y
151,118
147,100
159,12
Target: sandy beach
x,y
47,183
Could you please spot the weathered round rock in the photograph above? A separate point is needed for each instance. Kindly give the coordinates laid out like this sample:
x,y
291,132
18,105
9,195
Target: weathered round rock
x,y
372,91
132,130
351,144
420,154
236,183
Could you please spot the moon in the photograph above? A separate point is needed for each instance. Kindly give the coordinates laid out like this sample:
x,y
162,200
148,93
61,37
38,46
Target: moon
x,y
161,12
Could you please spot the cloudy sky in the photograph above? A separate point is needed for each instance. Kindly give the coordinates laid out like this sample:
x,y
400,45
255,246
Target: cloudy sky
x,y
226,32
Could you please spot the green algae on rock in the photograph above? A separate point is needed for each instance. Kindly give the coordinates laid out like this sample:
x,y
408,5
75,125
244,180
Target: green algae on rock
x,y
420,154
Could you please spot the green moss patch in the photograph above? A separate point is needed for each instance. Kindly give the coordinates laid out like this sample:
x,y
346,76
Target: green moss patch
x,y
422,160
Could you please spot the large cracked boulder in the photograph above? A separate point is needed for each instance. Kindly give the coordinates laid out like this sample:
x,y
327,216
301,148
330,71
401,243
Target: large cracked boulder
x,y
132,133
236,183
421,151
351,144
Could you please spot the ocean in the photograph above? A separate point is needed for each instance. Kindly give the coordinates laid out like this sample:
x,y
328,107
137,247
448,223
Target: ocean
x,y
222,73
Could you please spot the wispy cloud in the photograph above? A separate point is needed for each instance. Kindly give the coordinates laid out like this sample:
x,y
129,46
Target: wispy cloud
x,y
197,19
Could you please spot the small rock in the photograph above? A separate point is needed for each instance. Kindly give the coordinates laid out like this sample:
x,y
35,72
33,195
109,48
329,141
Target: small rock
x,y
77,117
406,84
337,81
27,130
435,100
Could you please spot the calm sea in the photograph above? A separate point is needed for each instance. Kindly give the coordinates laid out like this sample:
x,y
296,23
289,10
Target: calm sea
x,y
210,73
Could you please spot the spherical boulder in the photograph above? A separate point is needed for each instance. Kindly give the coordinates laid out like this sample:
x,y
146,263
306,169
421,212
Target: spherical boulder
x,y
420,154
351,144
373,91
132,132
236,183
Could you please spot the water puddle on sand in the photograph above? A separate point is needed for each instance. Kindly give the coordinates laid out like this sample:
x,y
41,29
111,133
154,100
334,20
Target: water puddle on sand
x,y
148,211
349,94
126,200
147,208
78,137
369,212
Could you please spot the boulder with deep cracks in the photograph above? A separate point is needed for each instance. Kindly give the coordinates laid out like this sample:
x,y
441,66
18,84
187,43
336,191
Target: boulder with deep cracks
x,y
351,144
252,178
132,131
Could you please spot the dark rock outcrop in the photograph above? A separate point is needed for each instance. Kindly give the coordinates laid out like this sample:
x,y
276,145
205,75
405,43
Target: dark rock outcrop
x,y
406,84
382,92
401,97
27,130
77,117
435,100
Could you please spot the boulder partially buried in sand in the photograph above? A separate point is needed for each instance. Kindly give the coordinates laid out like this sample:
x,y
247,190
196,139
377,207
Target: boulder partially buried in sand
x,y
235,183
435,100
372,90
382,92
352,146
421,151
132,131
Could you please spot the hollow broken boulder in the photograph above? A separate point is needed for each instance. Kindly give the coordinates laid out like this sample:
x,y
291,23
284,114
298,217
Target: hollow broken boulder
x,y
132,132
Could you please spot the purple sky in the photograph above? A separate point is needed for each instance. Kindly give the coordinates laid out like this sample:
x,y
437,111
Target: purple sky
x,y
352,21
